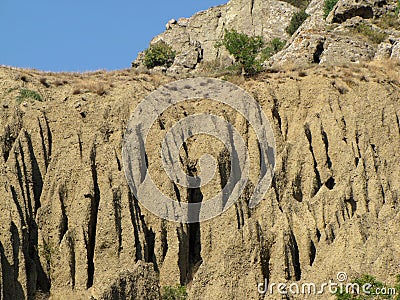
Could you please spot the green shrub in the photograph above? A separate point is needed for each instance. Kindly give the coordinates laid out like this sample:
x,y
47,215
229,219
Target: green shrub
x,y
174,293
374,285
302,4
398,7
272,48
25,94
249,52
374,36
328,6
389,20
297,19
244,49
159,54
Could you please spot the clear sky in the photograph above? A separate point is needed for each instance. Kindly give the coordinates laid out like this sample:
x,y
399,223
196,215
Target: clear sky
x,y
71,35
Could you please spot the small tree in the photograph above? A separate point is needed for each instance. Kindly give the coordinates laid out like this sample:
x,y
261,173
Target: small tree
x,y
244,49
159,54
298,18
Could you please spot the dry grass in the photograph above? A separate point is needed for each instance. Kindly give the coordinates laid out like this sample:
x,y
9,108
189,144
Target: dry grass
x,y
102,82
215,69
388,21
386,69
369,32
43,81
91,86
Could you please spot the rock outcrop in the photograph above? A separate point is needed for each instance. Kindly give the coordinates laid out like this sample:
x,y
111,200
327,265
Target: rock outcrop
x,y
194,39
339,39
366,9
342,40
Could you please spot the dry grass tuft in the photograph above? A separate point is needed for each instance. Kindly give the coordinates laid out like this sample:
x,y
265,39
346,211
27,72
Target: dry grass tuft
x,y
386,69
302,74
43,81
90,86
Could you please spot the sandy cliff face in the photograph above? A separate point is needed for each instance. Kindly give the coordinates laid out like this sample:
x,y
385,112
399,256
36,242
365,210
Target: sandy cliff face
x,y
71,227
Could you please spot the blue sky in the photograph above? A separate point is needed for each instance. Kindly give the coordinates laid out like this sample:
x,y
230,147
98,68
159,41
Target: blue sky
x,y
54,35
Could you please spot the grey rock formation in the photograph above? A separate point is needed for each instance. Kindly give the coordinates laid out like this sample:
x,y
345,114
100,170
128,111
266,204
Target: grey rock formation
x,y
336,40
317,42
384,51
310,45
395,51
367,9
338,50
194,39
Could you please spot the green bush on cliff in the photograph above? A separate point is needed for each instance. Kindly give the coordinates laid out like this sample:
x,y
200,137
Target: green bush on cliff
x,y
25,94
298,3
298,18
328,6
174,293
159,54
244,49
373,35
249,51
272,48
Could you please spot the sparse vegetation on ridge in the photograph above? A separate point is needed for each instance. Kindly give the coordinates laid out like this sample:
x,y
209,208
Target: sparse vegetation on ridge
x,y
25,94
272,48
244,49
373,35
250,51
296,21
302,4
388,21
159,54
174,293
328,6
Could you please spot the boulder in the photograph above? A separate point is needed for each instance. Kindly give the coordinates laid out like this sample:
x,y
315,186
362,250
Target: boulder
x,y
323,47
396,51
384,51
135,284
367,9
341,50
170,24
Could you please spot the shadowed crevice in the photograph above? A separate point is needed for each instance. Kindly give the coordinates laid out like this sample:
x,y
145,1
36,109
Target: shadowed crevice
x,y
92,226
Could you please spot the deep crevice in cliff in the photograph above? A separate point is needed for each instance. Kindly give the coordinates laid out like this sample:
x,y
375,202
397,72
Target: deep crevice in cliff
x,y
317,179
292,258
92,226
117,216
62,194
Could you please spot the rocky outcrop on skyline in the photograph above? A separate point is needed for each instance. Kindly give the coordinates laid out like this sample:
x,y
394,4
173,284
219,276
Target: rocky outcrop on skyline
x,y
354,31
194,39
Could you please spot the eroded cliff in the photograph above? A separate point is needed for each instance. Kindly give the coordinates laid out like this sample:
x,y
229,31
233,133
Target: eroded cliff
x,y
71,228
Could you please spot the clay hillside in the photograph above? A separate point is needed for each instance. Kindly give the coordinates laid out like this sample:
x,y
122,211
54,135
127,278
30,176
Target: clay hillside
x,y
71,227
